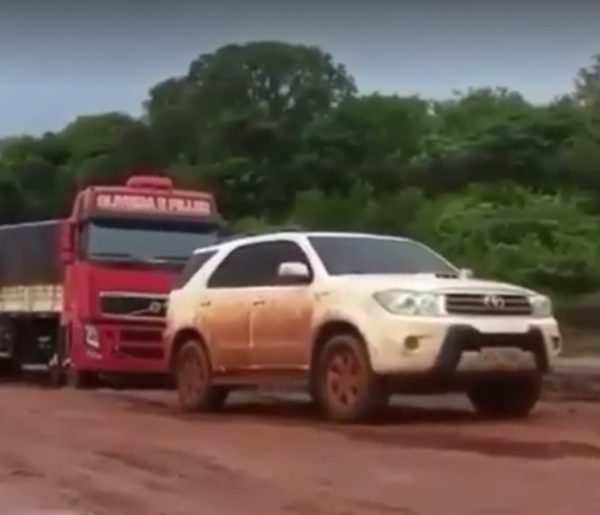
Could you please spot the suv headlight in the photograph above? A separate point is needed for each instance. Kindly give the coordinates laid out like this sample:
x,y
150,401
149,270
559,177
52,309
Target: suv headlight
x,y
401,302
541,306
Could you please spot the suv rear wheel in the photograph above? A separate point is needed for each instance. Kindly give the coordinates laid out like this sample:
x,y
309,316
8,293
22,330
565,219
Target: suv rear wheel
x,y
512,397
193,376
345,386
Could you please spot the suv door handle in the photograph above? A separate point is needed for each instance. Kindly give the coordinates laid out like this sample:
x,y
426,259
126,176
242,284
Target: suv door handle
x,y
205,303
258,302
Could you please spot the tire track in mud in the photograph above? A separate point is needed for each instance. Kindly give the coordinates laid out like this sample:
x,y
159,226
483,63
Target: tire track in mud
x,y
403,427
14,467
128,454
485,445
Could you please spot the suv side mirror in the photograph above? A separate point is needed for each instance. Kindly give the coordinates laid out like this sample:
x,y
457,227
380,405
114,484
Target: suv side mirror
x,y
465,273
294,272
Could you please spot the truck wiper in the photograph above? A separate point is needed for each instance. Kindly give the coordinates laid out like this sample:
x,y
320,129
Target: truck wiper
x,y
170,258
124,256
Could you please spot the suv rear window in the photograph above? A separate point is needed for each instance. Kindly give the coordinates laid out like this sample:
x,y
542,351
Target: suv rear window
x,y
194,263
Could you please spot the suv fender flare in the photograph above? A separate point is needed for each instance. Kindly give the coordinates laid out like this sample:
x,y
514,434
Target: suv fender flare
x,y
333,324
183,335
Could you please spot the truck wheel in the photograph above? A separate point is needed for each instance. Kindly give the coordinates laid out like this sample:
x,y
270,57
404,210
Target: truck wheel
x,y
9,368
57,377
346,388
81,380
193,376
507,397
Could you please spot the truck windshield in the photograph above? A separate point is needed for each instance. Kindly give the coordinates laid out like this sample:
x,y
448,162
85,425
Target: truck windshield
x,y
145,242
375,255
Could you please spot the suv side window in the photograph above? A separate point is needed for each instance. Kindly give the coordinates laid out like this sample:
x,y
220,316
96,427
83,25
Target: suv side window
x,y
256,264
193,264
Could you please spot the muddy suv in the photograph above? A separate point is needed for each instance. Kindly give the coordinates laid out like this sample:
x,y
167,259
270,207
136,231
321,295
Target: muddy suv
x,y
356,317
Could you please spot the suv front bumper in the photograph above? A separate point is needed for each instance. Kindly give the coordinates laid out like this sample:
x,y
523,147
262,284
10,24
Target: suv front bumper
x,y
444,347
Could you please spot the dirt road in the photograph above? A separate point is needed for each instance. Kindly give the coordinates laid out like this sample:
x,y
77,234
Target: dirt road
x,y
117,453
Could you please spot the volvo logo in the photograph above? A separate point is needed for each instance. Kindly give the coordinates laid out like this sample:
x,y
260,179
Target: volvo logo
x,y
155,307
493,302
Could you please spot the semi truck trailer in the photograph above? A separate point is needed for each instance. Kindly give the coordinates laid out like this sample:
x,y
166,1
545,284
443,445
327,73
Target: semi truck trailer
x,y
85,296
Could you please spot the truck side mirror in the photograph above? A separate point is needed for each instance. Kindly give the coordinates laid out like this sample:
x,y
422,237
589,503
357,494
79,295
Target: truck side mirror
x,y
66,243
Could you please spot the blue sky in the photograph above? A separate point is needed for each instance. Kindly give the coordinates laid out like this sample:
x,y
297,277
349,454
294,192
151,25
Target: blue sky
x,y
62,58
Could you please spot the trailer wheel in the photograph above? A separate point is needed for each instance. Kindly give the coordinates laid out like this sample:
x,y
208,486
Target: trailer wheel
x,y
9,366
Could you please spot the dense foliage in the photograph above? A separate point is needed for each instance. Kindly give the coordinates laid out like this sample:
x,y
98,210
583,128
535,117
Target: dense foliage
x,y
280,134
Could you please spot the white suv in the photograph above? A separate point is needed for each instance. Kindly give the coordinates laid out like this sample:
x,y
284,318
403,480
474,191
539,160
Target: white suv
x,y
357,317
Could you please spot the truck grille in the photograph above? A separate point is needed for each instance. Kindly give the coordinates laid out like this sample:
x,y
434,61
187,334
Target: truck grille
x,y
133,305
140,343
487,304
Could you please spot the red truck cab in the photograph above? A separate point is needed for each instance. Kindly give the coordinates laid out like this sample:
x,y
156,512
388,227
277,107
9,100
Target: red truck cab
x,y
100,308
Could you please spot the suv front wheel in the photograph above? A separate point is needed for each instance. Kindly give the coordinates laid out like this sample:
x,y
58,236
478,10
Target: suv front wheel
x,y
511,397
193,377
346,388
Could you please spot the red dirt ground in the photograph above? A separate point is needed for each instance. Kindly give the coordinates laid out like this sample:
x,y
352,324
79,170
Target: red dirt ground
x,y
115,453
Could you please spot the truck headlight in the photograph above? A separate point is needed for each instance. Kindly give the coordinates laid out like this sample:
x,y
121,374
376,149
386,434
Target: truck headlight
x,y
541,306
92,338
401,302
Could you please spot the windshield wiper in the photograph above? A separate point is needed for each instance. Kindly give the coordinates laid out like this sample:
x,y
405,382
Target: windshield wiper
x,y
122,255
126,256
171,258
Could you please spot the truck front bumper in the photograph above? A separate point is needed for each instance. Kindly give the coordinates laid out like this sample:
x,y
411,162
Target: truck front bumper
x,y
119,348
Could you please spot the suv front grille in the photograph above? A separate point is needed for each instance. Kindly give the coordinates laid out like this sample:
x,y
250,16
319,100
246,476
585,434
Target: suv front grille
x,y
487,304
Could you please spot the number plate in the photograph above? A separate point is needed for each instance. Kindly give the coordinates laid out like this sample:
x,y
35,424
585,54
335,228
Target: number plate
x,y
496,326
501,358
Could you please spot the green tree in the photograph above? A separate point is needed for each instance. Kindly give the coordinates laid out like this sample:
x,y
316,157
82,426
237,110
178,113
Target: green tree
x,y
587,83
248,102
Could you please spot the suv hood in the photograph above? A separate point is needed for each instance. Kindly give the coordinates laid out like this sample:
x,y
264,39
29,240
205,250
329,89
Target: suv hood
x,y
429,283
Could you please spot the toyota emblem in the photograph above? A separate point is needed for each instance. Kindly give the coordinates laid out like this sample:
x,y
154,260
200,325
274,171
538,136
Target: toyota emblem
x,y
493,301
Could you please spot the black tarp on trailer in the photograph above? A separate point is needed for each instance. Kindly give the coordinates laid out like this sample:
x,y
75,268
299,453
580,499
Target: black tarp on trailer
x,y
29,254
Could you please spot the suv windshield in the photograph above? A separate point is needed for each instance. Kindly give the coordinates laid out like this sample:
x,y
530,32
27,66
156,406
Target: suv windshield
x,y
146,242
374,255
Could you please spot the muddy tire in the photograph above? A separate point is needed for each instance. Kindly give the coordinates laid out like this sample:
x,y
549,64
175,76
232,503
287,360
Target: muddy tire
x,y
192,372
345,387
506,398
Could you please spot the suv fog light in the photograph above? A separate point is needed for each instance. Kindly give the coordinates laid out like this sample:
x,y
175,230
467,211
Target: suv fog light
x,y
412,343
